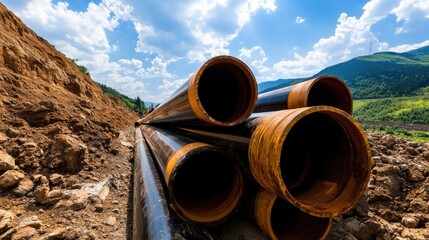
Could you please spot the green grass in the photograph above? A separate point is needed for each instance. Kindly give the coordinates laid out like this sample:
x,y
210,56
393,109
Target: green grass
x,y
416,136
401,109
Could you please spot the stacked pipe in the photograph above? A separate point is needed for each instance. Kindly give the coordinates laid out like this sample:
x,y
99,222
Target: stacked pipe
x,y
291,159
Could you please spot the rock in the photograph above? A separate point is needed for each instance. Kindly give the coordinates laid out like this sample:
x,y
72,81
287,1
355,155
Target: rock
x,y
32,221
68,152
110,221
7,162
30,145
6,218
410,234
100,190
425,155
43,195
25,233
388,141
410,222
13,132
56,179
99,208
57,233
24,187
127,144
3,137
11,178
78,199
411,151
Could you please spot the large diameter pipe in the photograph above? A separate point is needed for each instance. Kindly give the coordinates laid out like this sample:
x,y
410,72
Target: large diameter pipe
x,y
323,90
204,183
222,92
317,158
281,220
152,218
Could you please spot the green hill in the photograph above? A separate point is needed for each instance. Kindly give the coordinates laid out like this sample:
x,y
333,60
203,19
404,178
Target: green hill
x,y
381,75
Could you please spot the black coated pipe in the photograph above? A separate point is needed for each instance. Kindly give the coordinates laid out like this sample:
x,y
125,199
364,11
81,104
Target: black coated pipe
x,y
317,158
152,218
222,92
204,183
324,90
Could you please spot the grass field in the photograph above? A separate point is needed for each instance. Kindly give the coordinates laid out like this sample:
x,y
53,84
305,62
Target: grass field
x,y
409,110
402,110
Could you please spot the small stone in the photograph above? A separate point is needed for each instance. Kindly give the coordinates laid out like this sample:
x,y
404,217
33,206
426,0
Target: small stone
x,y
32,221
3,137
25,233
57,233
127,144
6,218
24,187
426,155
13,132
99,208
388,141
11,178
30,145
37,177
411,151
56,179
115,210
410,222
7,162
110,221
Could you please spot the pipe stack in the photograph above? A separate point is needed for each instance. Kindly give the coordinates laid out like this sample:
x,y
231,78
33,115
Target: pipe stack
x,y
291,159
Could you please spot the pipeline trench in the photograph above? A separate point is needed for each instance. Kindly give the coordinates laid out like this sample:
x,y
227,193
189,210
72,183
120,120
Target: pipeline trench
x,y
217,161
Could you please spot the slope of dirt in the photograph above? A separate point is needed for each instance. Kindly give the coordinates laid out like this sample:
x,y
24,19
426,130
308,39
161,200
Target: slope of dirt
x,y
64,145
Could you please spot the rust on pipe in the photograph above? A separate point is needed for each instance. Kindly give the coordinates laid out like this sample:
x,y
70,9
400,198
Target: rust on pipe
x,y
222,92
281,220
152,218
324,90
317,158
204,183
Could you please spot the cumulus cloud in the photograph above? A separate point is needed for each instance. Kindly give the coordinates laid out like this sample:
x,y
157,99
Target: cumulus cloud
x,y
255,57
299,20
409,47
196,30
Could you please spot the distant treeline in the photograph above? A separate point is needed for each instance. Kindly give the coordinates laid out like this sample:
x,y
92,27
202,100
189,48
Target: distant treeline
x,y
136,104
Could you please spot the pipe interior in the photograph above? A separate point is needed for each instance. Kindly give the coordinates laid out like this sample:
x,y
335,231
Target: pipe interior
x,y
288,222
225,92
207,186
317,160
330,92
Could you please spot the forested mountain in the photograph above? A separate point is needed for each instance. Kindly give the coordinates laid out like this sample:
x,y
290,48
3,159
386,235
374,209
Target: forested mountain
x,y
380,75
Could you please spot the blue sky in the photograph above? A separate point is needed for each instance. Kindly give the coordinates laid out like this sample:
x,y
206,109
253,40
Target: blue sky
x,y
148,48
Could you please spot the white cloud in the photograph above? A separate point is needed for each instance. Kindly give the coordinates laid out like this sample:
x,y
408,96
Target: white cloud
x,y
299,20
408,47
158,68
168,87
256,57
196,30
352,37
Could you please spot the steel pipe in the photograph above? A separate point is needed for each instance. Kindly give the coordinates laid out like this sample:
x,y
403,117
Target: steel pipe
x,y
152,218
323,90
281,220
317,158
222,92
204,183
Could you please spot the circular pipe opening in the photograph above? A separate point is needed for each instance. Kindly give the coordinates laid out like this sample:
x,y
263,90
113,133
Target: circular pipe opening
x,y
207,187
288,222
330,91
227,90
325,163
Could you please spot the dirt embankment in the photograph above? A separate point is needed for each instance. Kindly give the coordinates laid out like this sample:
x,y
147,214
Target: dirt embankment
x,y
64,145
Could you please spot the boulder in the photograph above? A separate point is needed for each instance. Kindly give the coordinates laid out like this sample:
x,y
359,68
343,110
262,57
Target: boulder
x,y
67,152
24,187
25,233
6,218
7,162
11,178
410,221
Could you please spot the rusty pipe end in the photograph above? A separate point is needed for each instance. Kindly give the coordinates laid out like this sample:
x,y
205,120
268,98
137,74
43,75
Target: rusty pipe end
x,y
281,220
205,184
223,91
317,158
324,90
